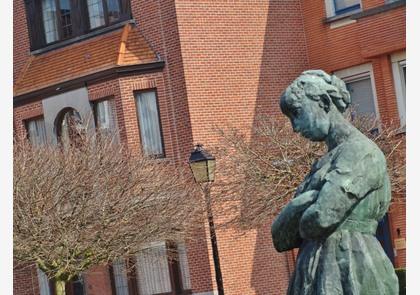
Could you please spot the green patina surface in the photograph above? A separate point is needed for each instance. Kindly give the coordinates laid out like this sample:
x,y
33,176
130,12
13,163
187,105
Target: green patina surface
x,y
335,212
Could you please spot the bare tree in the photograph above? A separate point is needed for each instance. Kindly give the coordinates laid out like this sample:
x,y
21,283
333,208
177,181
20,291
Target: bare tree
x,y
93,202
272,161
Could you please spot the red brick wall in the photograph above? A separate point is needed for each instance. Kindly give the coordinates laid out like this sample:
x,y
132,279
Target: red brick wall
x,y
238,56
20,37
158,22
97,281
398,220
25,280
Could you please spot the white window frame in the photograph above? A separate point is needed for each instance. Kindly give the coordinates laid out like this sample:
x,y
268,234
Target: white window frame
x,y
355,73
398,60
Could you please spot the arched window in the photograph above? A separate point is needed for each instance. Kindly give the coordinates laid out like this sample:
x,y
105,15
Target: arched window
x,y
69,126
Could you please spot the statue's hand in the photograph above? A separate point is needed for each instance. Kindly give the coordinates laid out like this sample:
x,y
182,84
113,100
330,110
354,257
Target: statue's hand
x,y
285,228
305,199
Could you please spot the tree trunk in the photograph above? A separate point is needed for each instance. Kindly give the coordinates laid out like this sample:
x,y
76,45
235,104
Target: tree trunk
x,y
60,287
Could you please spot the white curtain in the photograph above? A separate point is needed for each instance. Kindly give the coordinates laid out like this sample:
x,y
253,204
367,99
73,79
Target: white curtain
x,y
36,132
49,18
183,265
96,13
44,287
120,277
153,270
106,119
149,123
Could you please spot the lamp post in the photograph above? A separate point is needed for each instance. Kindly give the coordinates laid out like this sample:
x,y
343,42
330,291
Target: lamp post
x,y
203,165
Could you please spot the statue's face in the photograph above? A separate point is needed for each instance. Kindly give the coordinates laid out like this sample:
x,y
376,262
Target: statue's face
x,y
308,118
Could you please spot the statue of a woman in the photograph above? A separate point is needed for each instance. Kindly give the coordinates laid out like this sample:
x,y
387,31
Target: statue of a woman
x,y
335,212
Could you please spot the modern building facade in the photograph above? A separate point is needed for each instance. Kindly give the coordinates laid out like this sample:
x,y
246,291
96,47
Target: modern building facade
x,y
165,72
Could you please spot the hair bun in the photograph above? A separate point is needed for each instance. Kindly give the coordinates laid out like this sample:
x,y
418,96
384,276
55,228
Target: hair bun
x,y
334,87
341,97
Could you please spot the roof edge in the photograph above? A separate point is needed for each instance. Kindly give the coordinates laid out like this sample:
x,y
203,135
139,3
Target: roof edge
x,y
123,43
81,81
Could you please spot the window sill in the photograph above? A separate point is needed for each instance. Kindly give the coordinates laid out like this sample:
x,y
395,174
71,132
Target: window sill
x,y
379,9
82,37
342,16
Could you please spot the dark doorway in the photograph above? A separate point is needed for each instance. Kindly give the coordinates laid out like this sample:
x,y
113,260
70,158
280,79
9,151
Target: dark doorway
x,y
384,236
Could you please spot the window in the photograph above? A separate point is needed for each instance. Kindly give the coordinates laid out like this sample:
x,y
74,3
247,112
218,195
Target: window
x,y
360,83
56,17
362,96
113,10
47,287
149,123
65,19
36,131
343,6
49,12
105,117
44,284
119,272
96,13
51,21
161,268
399,73
103,12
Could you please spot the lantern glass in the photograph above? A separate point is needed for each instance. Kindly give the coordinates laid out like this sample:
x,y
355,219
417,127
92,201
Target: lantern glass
x,y
211,167
200,171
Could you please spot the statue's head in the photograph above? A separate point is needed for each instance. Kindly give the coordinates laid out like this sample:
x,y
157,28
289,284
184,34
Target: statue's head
x,y
311,100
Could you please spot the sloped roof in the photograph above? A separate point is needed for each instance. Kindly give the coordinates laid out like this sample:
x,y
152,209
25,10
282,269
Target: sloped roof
x,y
123,47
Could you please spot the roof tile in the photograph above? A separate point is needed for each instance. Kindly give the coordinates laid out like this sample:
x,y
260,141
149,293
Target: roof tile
x,y
118,48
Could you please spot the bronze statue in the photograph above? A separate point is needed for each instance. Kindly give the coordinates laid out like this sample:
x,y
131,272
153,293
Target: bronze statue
x,y
335,211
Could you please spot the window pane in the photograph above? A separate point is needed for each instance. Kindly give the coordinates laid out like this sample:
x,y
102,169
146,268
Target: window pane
x,y
105,119
346,4
65,12
44,287
362,96
36,132
153,271
403,68
183,265
50,21
78,286
149,123
113,10
120,277
96,13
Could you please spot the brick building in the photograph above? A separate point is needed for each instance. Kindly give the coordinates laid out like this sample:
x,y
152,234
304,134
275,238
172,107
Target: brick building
x,y
180,67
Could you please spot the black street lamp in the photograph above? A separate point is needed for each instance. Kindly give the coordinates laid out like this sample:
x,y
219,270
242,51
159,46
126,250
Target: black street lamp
x,y
203,166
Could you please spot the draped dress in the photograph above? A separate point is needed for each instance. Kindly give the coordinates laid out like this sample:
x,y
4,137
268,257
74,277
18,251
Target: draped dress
x,y
333,220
